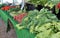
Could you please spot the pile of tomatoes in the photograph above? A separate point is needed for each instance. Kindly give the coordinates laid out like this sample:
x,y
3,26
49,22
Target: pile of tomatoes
x,y
6,8
20,17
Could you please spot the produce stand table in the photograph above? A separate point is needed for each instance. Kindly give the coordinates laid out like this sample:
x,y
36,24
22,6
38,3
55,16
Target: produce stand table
x,y
20,33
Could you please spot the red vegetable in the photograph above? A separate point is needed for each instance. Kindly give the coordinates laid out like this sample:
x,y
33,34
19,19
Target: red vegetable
x,y
20,17
58,5
6,8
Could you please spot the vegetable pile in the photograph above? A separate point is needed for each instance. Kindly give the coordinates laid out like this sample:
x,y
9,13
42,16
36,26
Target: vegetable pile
x,y
20,17
6,8
15,11
42,23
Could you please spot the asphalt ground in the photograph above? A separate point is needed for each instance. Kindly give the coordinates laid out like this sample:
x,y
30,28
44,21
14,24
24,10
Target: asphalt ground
x,y
3,33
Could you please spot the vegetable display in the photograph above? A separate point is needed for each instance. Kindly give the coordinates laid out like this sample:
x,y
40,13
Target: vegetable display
x,y
39,17
42,23
39,2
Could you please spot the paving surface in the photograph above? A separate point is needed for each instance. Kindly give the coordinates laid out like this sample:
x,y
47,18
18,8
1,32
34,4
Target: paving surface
x,y
3,33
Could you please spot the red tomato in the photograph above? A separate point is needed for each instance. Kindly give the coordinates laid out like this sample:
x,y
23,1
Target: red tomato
x,y
58,5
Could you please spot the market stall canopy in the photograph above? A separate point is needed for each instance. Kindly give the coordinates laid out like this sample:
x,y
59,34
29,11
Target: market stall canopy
x,y
11,1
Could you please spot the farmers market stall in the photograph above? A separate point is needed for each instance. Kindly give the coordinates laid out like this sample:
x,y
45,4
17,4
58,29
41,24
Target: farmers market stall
x,y
37,22
31,28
